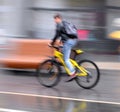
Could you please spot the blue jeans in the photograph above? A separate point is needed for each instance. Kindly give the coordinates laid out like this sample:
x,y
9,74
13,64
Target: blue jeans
x,y
68,45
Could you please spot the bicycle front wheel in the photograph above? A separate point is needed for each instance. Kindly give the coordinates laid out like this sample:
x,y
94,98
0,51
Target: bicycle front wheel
x,y
92,77
49,73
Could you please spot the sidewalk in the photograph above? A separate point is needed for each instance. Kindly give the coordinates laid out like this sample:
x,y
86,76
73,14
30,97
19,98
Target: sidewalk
x,y
108,65
104,61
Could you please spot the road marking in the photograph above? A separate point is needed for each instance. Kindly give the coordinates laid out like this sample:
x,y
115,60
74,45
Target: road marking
x,y
11,110
57,97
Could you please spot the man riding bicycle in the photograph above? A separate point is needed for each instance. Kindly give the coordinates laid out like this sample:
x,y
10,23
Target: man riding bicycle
x,y
68,41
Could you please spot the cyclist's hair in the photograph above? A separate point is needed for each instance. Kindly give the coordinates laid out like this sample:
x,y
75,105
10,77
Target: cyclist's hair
x,y
57,16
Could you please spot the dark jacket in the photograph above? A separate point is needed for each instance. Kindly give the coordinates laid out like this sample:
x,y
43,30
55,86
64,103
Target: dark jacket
x,y
60,32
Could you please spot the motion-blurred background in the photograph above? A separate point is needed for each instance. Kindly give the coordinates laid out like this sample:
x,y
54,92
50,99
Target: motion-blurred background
x,y
95,19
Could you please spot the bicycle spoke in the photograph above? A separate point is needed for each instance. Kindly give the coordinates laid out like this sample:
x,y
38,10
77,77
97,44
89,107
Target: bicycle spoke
x,y
92,77
48,73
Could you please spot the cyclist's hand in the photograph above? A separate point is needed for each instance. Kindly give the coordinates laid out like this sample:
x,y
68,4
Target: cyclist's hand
x,y
50,45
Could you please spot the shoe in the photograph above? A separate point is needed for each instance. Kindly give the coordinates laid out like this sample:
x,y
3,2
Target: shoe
x,y
71,77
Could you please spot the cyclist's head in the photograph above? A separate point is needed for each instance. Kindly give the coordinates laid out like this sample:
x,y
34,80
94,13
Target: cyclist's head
x,y
58,18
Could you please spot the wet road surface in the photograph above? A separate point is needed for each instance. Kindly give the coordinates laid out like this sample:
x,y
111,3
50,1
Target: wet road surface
x,y
24,103
21,92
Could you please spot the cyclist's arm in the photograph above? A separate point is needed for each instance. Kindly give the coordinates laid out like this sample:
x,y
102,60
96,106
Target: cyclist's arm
x,y
57,35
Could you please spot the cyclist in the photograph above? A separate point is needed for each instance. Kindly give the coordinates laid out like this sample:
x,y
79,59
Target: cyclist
x,y
68,41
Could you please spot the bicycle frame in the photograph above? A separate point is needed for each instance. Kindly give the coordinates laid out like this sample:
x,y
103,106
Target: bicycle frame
x,y
59,56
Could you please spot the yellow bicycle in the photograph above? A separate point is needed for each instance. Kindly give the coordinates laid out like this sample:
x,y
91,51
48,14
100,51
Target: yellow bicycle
x,y
49,72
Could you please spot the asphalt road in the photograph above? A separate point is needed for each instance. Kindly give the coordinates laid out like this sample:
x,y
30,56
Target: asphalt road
x,y
21,92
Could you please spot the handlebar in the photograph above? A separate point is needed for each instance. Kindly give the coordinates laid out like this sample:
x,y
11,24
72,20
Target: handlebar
x,y
56,47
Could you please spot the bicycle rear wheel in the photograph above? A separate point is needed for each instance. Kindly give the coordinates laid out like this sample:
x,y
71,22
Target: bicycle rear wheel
x,y
93,75
49,73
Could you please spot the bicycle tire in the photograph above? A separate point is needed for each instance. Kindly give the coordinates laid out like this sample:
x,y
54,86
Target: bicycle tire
x,y
48,77
80,79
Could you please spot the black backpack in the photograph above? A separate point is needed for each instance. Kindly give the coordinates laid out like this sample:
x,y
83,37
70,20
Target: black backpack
x,y
70,28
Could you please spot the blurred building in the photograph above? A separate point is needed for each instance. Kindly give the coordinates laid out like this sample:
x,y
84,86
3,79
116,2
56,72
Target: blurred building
x,y
33,18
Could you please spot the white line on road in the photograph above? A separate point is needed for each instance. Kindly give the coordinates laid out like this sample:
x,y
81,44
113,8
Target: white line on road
x,y
62,98
11,110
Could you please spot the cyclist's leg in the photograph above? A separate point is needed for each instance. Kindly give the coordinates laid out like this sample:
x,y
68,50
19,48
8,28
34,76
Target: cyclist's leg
x,y
67,51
